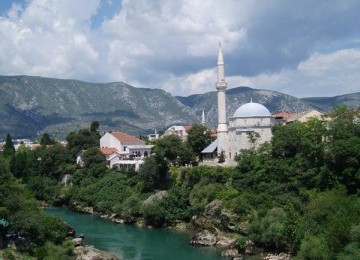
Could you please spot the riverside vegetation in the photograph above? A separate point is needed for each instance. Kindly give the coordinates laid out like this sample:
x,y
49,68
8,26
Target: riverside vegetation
x,y
298,194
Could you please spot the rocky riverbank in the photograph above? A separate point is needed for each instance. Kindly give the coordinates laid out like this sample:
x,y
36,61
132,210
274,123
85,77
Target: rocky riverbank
x,y
214,227
87,252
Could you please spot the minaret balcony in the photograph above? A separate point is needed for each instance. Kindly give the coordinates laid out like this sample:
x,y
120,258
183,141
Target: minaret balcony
x,y
221,85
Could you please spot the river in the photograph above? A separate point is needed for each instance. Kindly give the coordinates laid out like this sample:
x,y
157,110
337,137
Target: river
x,y
131,242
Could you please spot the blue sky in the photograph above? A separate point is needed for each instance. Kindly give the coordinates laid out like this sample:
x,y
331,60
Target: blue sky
x,y
303,48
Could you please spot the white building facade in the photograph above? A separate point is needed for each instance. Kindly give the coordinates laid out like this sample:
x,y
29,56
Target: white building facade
x,y
128,151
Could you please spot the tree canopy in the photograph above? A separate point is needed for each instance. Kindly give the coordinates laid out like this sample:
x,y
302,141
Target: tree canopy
x,y
199,137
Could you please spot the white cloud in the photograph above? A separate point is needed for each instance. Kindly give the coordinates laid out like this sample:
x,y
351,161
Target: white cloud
x,y
173,44
321,75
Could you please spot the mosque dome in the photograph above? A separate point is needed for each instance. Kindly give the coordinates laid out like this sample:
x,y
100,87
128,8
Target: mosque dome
x,y
252,110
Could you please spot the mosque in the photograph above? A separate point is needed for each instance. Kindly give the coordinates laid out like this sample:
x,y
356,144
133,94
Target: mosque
x,y
249,127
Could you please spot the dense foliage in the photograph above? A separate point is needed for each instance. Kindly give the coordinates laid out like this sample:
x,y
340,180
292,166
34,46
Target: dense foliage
x,y
199,137
299,193
32,231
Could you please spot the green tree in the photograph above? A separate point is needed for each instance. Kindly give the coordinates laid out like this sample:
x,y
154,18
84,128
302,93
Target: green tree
x,y
199,137
83,139
94,127
50,159
343,153
352,249
9,148
314,247
153,173
22,162
93,156
328,218
46,140
174,150
253,137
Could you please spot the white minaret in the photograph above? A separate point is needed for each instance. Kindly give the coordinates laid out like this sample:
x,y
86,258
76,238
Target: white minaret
x,y
222,131
203,118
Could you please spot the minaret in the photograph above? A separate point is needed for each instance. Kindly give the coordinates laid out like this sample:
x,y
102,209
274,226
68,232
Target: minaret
x,y
203,118
222,131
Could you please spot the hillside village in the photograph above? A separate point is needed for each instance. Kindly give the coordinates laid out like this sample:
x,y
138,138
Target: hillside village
x,y
125,151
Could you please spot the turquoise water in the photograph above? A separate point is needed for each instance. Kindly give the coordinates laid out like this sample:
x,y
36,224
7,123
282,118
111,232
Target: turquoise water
x,y
131,242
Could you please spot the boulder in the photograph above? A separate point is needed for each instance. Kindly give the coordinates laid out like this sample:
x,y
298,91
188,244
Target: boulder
x,y
204,238
78,241
201,222
224,241
157,196
213,209
91,253
280,256
231,253
249,247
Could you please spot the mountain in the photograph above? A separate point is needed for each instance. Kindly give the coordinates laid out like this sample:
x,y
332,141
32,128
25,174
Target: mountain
x,y
31,105
327,103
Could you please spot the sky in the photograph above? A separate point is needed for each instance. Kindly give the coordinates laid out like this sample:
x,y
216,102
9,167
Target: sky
x,y
302,48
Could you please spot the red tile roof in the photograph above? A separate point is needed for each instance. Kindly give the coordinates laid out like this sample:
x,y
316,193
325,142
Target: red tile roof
x,y
284,115
187,127
122,137
107,151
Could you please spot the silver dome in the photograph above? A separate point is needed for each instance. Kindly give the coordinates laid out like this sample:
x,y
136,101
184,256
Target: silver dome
x,y
252,110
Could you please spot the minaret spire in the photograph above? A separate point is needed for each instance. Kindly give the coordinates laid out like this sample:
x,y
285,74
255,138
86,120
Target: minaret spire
x,y
221,83
222,131
203,118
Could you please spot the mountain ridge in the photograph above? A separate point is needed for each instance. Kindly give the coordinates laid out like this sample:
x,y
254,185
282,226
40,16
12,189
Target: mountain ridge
x,y
31,105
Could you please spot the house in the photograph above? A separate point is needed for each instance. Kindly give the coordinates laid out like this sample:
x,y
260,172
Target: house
x,y
305,116
281,117
123,150
153,136
179,130
287,118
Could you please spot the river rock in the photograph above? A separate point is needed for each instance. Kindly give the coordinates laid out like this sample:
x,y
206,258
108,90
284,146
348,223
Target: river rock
x,y
249,247
91,253
74,206
202,222
224,241
213,208
280,256
78,241
181,226
204,238
157,196
232,253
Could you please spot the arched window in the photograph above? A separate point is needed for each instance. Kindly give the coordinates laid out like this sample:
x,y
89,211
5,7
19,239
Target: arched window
x,y
145,154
